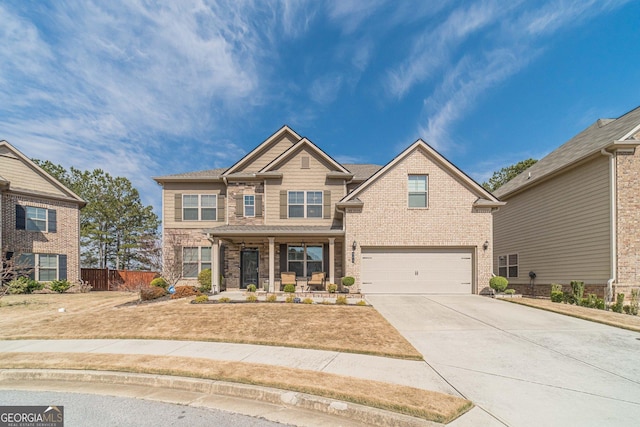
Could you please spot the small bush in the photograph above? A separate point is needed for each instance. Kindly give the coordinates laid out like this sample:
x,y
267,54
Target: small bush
x,y
290,299
341,300
634,302
60,286
251,288
361,302
272,298
498,283
290,288
160,282
557,296
252,298
577,287
224,299
325,302
24,285
185,291
332,288
348,281
200,299
151,293
307,301
509,291
556,287
204,279
617,307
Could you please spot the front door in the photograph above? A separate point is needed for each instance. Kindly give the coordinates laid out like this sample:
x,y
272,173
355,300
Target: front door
x,y
248,268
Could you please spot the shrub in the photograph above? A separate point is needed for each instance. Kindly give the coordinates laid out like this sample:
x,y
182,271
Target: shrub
x,y
290,288
290,299
633,304
577,287
341,300
200,299
348,281
556,287
160,282
204,279
251,288
509,291
361,302
332,288
24,285
152,292
498,283
307,301
185,291
224,299
252,298
557,296
617,307
272,298
325,302
60,286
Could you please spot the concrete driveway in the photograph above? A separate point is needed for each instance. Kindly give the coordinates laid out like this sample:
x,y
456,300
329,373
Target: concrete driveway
x,y
522,366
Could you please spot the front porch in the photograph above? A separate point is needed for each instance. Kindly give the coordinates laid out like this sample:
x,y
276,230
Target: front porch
x,y
258,255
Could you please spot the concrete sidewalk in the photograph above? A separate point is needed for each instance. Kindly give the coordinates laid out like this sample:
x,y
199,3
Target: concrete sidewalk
x,y
396,371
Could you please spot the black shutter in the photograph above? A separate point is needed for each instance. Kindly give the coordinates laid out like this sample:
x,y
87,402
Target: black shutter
x,y
325,259
283,258
21,218
62,267
52,225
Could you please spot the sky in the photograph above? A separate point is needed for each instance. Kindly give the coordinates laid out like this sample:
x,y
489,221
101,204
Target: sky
x,y
150,88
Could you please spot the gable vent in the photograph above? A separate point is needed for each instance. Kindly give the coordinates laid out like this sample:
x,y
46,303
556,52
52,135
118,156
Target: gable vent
x,y
305,162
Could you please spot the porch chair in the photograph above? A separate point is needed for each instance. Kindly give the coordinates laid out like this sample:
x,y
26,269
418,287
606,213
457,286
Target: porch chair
x,y
287,278
316,282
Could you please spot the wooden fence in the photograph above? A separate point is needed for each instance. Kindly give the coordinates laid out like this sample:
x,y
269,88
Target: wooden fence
x,y
103,279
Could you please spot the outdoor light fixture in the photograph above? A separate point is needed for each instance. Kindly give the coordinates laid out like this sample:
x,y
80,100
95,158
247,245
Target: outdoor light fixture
x,y
485,246
354,245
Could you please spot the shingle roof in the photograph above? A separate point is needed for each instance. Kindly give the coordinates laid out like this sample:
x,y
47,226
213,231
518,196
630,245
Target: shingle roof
x,y
206,174
361,171
588,142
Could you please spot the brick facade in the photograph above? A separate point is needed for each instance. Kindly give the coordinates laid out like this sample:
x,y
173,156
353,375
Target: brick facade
x,y
628,219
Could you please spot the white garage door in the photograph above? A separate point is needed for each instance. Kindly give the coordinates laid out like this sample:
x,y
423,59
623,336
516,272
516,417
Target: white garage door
x,y
416,271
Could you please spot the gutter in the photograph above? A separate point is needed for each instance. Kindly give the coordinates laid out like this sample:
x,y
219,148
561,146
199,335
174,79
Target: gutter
x,y
614,224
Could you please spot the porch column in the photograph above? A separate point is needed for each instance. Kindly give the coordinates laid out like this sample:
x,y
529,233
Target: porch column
x,y
215,267
272,264
332,260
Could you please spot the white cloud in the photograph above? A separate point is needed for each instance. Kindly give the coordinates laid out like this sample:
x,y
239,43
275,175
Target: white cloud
x,y
351,14
324,89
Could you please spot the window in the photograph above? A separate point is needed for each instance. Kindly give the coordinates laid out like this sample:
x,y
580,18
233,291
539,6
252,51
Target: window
x,y
305,204
249,206
508,265
304,259
195,259
199,207
417,191
44,267
35,219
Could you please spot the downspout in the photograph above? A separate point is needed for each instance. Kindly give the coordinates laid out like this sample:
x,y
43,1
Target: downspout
x,y
614,224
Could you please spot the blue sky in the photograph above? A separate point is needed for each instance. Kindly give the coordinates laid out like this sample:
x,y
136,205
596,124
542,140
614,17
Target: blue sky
x,y
147,88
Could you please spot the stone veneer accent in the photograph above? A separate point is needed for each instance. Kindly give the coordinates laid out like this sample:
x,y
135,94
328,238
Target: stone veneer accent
x,y
65,240
240,189
628,195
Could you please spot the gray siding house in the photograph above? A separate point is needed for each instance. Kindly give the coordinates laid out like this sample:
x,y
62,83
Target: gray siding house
x,y
574,215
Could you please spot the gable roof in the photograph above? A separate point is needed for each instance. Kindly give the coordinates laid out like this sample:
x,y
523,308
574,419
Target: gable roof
x,y
485,198
298,146
67,194
603,134
260,148
205,175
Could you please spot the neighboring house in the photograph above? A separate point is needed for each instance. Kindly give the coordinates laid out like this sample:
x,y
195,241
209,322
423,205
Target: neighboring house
x,y
40,219
416,225
575,214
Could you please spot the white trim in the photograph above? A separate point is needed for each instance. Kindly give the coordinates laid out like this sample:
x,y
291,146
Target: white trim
x,y
305,205
199,207
631,133
295,147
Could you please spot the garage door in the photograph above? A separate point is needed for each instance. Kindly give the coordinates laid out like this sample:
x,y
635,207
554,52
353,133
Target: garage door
x,y
416,271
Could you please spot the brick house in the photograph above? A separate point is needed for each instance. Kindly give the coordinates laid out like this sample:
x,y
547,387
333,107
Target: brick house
x,y
287,206
39,219
574,215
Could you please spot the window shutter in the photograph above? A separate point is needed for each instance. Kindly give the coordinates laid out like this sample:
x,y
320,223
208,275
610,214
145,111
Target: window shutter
x,y
283,204
177,259
62,267
178,207
239,205
52,225
283,258
327,204
258,207
325,259
221,208
21,218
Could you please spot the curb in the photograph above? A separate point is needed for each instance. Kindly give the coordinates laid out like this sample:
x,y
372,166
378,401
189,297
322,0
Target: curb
x,y
295,400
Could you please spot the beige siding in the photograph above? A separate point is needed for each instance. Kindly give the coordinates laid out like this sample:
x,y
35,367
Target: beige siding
x,y
172,188
296,178
450,221
560,228
269,153
24,177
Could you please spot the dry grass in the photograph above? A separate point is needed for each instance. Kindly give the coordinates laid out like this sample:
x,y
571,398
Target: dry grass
x,y
610,318
425,404
102,315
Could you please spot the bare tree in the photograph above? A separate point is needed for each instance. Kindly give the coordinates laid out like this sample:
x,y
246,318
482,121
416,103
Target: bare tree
x,y
11,266
174,241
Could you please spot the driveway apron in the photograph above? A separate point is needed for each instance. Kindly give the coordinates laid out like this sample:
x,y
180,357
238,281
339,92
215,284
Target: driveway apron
x,y
523,366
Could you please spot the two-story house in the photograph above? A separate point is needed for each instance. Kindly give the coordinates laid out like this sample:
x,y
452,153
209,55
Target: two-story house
x,y
39,219
416,225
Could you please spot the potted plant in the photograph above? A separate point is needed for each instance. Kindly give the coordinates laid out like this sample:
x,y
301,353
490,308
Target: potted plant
x,y
347,282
